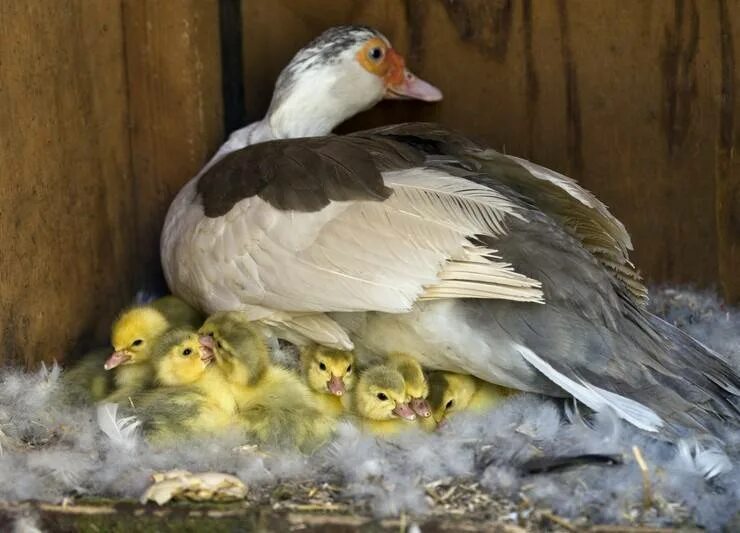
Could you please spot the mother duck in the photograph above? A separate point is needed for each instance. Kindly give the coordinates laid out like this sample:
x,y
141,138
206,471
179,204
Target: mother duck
x,y
414,238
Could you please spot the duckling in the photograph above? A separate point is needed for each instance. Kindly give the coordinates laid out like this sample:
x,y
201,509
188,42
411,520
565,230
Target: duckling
x,y
380,402
276,408
417,387
133,334
86,381
194,396
329,374
451,393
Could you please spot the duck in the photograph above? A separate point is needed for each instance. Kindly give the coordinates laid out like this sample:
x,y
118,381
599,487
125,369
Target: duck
x,y
415,238
345,70
87,382
404,238
417,387
451,393
275,408
133,334
330,374
192,396
380,404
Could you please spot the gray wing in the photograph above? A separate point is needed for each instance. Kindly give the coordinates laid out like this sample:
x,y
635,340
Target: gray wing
x,y
592,338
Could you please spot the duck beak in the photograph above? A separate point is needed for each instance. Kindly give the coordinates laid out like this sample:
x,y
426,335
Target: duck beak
x,y
404,411
117,358
207,349
421,407
401,83
336,386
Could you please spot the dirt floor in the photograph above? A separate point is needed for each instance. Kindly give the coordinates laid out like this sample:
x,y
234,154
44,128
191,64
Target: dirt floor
x,y
455,507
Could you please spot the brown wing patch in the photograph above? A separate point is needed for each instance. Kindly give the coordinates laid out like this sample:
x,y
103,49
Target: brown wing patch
x,y
304,174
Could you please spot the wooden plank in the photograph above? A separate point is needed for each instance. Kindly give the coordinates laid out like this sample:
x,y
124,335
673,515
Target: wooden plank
x,y
174,86
625,96
65,217
728,168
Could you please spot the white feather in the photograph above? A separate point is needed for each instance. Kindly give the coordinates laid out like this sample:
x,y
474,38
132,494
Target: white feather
x,y
594,397
123,432
710,461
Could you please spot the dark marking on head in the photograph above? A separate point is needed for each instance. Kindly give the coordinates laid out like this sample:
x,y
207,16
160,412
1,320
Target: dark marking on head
x,y
325,49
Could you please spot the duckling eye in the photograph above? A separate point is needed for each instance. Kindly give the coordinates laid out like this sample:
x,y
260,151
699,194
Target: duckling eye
x,y
322,366
187,351
349,369
218,344
382,396
137,342
375,53
450,404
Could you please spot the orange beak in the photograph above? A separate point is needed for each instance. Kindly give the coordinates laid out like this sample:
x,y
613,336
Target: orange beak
x,y
401,83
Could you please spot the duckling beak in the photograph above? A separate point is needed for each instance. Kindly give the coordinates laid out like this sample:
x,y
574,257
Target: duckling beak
x,y
207,348
401,83
404,411
117,358
336,385
421,407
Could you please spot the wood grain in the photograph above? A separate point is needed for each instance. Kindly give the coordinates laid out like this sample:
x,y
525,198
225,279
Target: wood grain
x,y
637,100
66,223
106,109
174,85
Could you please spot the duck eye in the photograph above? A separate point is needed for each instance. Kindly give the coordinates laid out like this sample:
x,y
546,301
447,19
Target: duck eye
x,y
382,396
187,351
450,404
349,369
322,366
375,53
137,342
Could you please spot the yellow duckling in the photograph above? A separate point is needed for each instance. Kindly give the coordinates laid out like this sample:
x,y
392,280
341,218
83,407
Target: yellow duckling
x,y
133,335
86,381
380,402
276,408
194,396
451,393
330,374
417,387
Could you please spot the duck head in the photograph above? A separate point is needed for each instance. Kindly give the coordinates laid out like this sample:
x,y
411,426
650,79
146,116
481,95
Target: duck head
x,y
327,370
381,395
133,334
345,70
238,346
180,360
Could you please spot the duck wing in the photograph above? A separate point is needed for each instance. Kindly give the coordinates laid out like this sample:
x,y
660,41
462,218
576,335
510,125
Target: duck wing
x,y
339,224
562,198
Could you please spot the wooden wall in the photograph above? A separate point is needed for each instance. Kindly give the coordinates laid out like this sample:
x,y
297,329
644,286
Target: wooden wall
x,y
107,107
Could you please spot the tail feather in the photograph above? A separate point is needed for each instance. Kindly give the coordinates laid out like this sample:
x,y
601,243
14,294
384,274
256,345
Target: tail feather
x,y
705,368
